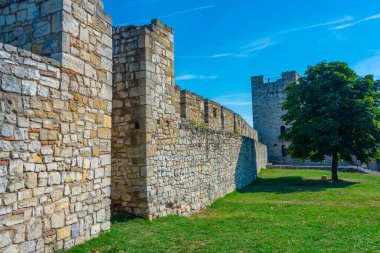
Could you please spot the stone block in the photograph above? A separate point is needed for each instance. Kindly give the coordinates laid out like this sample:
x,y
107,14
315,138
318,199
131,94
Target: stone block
x,y
58,220
7,130
11,84
23,122
5,239
107,121
72,63
31,180
95,229
74,231
104,133
28,247
3,184
29,88
49,82
12,249
35,158
16,168
34,230
63,233
5,146
54,178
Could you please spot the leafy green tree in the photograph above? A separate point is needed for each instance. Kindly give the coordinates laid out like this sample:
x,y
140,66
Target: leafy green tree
x,y
333,112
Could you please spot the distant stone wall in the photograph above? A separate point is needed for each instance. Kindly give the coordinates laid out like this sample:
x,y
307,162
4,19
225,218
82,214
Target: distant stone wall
x,y
171,164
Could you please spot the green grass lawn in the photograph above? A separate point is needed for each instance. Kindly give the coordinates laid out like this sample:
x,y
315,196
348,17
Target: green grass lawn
x,y
283,211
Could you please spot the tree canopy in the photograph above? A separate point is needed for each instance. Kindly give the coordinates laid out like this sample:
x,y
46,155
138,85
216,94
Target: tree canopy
x,y
332,111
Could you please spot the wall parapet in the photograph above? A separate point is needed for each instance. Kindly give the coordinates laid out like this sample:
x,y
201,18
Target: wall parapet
x,y
194,108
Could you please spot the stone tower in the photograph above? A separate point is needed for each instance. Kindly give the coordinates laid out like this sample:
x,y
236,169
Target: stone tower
x,y
266,105
55,139
145,111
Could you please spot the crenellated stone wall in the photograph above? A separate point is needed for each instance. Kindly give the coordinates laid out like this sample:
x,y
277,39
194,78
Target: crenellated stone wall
x,y
55,121
171,164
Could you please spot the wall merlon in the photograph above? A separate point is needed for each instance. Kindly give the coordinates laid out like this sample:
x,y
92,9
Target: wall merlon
x,y
290,76
213,114
228,120
192,107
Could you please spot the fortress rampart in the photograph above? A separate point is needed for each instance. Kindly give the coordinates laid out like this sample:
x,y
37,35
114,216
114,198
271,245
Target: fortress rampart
x,y
171,151
92,121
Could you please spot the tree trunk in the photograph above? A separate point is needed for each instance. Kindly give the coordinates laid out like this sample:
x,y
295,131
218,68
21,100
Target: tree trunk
x,y
334,168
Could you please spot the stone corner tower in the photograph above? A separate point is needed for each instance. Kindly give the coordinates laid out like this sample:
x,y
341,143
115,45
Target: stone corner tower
x,y
267,98
145,110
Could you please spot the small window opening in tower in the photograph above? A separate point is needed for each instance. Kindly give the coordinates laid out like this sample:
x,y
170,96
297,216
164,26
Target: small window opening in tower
x,y
214,112
137,125
283,151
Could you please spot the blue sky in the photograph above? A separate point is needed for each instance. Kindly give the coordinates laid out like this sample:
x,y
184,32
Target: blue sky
x,y
220,44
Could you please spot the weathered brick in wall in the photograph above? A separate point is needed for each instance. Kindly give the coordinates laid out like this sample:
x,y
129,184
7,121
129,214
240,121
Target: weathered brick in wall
x,y
192,107
56,131
213,115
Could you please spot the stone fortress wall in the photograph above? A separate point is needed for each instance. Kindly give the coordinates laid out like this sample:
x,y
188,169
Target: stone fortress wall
x,y
173,151
73,91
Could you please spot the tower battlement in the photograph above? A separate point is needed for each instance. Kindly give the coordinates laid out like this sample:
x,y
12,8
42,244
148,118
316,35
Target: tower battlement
x,y
286,78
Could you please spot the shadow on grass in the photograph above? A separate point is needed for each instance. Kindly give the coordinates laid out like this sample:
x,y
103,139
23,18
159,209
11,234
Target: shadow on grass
x,y
123,217
283,185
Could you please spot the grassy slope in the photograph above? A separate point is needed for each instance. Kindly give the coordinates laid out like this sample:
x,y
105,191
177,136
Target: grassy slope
x,y
283,211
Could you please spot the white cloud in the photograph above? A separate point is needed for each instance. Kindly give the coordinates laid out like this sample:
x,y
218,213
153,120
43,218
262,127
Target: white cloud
x,y
219,55
334,22
188,10
259,45
340,27
369,66
194,77
224,55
